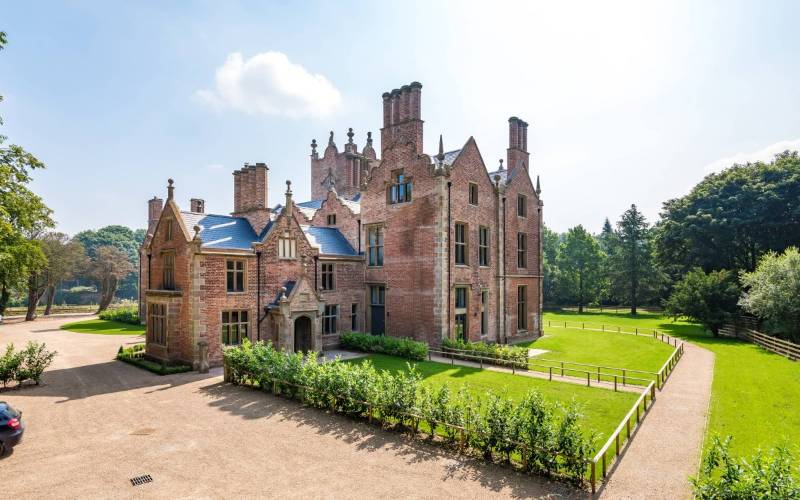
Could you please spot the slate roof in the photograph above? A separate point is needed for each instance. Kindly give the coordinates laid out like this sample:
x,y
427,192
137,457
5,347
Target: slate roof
x,y
328,240
221,231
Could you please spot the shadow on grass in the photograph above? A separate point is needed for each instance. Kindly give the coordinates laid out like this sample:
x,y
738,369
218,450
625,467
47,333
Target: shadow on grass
x,y
250,403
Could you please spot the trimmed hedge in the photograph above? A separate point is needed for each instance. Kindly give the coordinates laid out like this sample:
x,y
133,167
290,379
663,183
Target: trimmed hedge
x,y
26,365
129,315
538,436
498,352
135,356
394,346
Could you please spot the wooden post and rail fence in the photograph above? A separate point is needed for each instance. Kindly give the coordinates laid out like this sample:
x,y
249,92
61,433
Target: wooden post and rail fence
x,y
744,331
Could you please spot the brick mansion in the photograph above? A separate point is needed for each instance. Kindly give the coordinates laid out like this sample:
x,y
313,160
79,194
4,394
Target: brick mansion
x,y
403,243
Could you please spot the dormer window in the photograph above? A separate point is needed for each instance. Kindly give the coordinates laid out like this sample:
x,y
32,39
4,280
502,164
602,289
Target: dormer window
x,y
400,190
287,247
331,219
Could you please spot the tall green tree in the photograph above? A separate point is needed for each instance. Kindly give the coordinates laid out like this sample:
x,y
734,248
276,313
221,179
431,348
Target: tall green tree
x,y
550,246
773,293
733,217
633,273
66,258
709,299
23,215
124,239
580,261
108,266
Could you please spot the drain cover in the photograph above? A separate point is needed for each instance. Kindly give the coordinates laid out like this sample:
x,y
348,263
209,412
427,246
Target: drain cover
x,y
139,480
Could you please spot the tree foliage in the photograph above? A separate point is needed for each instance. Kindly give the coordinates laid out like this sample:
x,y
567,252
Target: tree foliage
x,y
580,262
123,238
108,267
733,217
632,270
773,292
709,299
550,244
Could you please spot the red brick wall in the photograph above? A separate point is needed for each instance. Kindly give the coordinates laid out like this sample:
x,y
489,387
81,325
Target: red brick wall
x,y
348,289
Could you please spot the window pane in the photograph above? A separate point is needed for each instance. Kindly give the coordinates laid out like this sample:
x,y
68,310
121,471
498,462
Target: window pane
x,y
243,316
234,316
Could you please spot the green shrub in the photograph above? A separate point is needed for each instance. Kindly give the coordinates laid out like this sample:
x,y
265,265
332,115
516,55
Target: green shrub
x,y
393,346
129,315
26,365
495,353
767,476
496,426
135,355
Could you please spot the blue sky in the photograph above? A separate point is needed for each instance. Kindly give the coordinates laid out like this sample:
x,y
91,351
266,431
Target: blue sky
x,y
628,102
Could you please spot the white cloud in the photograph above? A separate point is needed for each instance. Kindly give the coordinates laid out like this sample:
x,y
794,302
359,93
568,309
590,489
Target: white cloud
x,y
766,154
270,83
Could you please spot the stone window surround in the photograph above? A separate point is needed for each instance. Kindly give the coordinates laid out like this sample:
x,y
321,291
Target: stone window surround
x,y
381,228
522,304
168,255
327,276
243,274
465,244
482,247
473,194
165,318
238,323
330,319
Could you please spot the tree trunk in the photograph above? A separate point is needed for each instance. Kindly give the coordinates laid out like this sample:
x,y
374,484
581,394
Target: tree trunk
x,y
33,298
51,295
5,295
108,289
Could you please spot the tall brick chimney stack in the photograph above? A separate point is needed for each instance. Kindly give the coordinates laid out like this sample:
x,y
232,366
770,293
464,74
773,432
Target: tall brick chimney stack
x,y
402,117
517,152
250,195
154,208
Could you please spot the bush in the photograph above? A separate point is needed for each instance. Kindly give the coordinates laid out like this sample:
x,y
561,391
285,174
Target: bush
x,y
26,365
129,315
764,476
393,346
501,354
135,355
547,443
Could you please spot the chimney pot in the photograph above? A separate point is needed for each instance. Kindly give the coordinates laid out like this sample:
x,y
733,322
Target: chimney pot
x,y
197,205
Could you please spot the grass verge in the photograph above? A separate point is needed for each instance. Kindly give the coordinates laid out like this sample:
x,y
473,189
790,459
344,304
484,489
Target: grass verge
x,y
103,327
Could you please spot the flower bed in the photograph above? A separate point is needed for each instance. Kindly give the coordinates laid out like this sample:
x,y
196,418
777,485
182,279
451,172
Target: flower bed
x,y
492,353
534,435
394,346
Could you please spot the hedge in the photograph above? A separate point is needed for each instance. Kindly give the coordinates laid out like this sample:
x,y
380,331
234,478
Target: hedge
x,y
129,315
500,353
26,365
535,435
135,355
395,346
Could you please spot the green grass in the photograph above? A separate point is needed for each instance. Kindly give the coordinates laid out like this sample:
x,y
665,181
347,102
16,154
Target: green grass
x,y
603,409
755,393
104,327
617,350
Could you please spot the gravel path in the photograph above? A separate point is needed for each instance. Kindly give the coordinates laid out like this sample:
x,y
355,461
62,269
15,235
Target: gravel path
x,y
666,449
97,422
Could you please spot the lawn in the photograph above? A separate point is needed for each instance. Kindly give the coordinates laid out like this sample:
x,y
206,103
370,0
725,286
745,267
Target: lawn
x,y
755,394
104,327
617,350
603,409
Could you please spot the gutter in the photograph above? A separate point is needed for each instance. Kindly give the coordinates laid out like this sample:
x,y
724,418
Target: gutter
x,y
449,250
505,283
258,296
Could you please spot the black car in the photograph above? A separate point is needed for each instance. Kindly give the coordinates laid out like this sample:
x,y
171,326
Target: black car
x,y
11,427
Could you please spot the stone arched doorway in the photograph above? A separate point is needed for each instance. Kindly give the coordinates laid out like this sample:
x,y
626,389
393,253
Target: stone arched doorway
x,y
303,334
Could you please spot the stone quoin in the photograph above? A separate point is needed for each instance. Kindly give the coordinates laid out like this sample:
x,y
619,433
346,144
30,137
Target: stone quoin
x,y
408,245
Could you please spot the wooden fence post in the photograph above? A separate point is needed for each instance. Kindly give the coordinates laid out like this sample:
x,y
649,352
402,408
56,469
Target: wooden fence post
x,y
551,373
615,383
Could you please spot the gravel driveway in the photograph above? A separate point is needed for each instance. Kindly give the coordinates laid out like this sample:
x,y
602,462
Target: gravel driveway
x,y
96,423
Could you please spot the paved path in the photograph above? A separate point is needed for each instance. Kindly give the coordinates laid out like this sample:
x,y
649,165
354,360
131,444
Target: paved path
x,y
666,449
97,422
537,374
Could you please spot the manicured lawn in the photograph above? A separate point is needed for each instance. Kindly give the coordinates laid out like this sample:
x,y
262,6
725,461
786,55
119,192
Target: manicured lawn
x,y
617,350
104,327
603,409
755,394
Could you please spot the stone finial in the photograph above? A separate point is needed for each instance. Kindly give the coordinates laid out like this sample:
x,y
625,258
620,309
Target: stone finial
x,y
288,186
283,293
440,156
196,231
538,186
170,189
350,135
501,164
497,180
313,146
369,139
330,181
330,139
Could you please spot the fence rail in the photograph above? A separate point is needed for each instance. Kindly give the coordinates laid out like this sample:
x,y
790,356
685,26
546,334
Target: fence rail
x,y
772,344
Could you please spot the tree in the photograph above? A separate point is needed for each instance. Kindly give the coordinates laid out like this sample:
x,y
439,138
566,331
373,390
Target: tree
x,y
633,273
23,214
733,217
550,244
124,239
773,292
65,259
709,299
580,261
109,265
